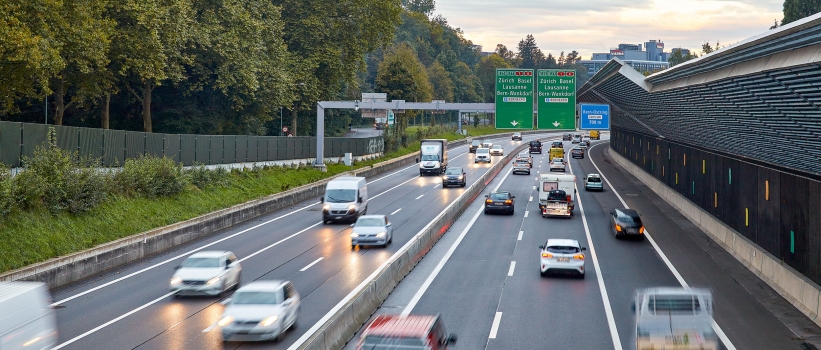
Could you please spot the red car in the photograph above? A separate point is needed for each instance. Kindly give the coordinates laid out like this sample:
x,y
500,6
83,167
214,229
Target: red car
x,y
412,332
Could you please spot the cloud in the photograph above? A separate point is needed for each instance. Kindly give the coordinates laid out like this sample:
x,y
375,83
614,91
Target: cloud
x,y
596,26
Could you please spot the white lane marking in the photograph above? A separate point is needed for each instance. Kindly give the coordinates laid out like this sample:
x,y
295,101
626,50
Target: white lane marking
x,y
435,272
81,336
396,211
394,187
495,328
716,327
527,212
520,235
311,264
280,241
512,267
420,196
437,185
534,188
531,199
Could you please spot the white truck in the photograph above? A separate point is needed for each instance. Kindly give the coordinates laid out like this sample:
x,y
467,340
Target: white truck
x,y
434,157
26,320
674,318
553,206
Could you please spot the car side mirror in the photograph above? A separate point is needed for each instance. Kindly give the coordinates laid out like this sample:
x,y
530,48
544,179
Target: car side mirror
x,y
352,225
512,196
417,160
389,224
359,200
177,267
226,301
584,248
321,199
451,338
541,247
633,305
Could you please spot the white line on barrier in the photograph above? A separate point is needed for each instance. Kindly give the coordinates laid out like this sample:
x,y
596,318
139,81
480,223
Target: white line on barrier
x,y
311,264
512,267
396,211
495,327
716,328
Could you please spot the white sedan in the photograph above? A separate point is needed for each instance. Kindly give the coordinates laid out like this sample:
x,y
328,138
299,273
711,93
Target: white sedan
x,y
497,150
206,273
562,256
259,311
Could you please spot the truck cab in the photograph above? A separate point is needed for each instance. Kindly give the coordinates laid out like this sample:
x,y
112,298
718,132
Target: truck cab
x,y
434,157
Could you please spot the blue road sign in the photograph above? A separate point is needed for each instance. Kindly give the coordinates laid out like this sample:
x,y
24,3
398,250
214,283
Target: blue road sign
x,y
594,117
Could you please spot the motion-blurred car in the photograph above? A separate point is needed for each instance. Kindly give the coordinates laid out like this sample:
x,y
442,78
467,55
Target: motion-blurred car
x,y
26,320
567,136
482,155
474,145
372,230
497,150
558,164
454,176
562,256
499,201
675,318
577,153
207,273
626,222
593,182
412,332
517,136
260,311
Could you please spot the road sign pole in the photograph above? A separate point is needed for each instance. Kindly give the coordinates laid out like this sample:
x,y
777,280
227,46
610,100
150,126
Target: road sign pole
x,y
320,138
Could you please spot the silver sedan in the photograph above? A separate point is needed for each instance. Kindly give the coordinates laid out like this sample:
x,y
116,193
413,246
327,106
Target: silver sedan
x,y
259,311
206,273
372,230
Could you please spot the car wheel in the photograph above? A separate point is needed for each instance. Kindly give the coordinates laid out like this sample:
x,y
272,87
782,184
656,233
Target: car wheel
x,y
353,246
485,211
542,273
528,173
581,276
421,173
239,281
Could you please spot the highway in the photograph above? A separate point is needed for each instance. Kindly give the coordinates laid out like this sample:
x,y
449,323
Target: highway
x,y
483,276
131,307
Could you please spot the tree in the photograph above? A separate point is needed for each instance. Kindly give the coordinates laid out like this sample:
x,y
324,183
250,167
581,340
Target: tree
x,y
560,60
504,53
467,87
798,9
572,58
706,48
403,77
425,7
486,73
775,24
440,82
677,57
530,54
550,62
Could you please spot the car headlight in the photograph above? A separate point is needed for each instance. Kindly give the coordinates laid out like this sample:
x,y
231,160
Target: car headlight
x,y
354,235
225,321
268,321
352,207
381,234
176,280
326,207
213,280
444,177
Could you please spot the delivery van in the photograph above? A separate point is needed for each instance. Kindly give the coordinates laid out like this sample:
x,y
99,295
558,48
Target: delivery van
x,y
26,320
345,199
556,153
595,135
434,157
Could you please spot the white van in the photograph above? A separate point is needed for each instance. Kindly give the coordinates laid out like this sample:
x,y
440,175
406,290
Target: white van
x,y
553,181
346,199
26,320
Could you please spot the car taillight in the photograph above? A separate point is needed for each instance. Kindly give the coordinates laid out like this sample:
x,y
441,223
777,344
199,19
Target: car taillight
x,y
618,228
508,201
578,256
641,230
489,201
547,255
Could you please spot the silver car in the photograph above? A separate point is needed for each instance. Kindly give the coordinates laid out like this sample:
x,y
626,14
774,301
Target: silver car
x,y
206,273
497,150
482,155
593,182
372,230
259,311
562,255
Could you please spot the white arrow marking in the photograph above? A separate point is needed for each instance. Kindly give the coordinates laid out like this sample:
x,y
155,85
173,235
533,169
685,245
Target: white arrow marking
x,y
514,123
556,124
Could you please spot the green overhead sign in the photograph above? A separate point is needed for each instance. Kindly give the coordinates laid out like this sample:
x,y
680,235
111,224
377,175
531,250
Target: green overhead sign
x,y
514,98
556,96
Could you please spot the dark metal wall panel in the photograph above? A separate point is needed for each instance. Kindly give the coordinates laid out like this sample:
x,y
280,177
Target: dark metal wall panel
x,y
813,249
215,154
769,211
154,144
67,138
252,149
242,149
188,147
91,143
203,149
113,148
281,148
229,150
134,144
272,148
11,140
289,148
793,192
172,146
34,135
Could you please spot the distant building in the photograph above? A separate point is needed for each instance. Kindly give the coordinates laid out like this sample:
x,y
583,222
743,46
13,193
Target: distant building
x,y
652,59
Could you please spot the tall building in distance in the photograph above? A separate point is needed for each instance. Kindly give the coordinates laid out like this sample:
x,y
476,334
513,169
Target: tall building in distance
x,y
651,59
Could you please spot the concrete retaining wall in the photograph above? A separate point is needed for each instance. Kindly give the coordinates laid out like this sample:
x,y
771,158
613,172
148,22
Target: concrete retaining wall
x,y
793,286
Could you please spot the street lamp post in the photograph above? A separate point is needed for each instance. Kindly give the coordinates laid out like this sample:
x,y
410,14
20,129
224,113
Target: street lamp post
x,y
280,121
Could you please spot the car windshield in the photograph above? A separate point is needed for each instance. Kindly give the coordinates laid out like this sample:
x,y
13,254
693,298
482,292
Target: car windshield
x,y
497,146
558,160
476,142
563,249
370,222
482,150
255,298
454,171
535,143
674,304
593,179
630,220
522,161
201,262
430,157
340,196
499,196
373,342
557,195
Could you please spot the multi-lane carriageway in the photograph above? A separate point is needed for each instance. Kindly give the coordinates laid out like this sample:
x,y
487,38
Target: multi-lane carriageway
x,y
482,276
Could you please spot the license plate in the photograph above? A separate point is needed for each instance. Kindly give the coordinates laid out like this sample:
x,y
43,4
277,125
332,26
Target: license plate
x,y
498,204
562,259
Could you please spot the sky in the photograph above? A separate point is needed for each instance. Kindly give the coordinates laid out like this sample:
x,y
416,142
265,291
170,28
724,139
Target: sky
x,y
591,26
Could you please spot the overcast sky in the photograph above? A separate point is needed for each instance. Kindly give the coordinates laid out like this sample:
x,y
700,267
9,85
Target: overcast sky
x,y
597,25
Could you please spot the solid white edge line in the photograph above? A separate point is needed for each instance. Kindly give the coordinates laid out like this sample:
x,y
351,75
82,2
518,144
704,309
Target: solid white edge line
x,y
81,336
396,211
512,267
311,264
719,332
520,235
495,327
608,310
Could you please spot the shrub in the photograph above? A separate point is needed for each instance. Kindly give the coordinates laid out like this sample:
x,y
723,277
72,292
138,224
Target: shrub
x,y
202,177
151,177
7,202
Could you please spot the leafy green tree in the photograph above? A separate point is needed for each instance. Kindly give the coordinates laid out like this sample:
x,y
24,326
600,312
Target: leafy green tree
x,y
403,77
678,57
422,6
550,62
798,9
486,73
530,54
467,86
440,82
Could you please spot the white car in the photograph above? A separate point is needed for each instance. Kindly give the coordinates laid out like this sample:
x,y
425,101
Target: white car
x,y
206,273
372,230
516,136
259,311
558,164
497,150
562,255
482,155
487,144
675,318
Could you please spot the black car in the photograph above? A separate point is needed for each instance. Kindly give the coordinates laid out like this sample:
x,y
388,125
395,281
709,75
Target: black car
x,y
567,137
499,201
626,223
474,145
577,153
536,147
454,176
557,144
